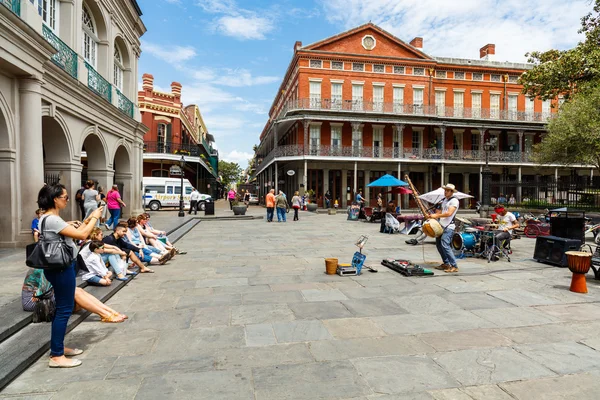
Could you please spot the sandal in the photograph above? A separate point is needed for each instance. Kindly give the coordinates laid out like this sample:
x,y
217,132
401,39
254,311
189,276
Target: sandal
x,y
113,318
147,271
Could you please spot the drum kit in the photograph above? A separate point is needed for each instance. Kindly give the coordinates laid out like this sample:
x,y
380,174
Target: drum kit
x,y
472,241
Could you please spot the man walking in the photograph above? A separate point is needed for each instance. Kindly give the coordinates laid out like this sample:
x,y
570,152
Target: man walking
x,y
270,202
114,204
445,214
194,197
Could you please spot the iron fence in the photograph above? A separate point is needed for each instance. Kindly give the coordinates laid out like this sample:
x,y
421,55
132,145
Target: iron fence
x,y
51,179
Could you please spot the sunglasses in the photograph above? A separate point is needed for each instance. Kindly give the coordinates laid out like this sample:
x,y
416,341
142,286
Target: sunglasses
x,y
66,197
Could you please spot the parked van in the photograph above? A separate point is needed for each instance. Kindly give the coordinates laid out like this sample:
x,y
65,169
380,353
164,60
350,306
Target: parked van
x,y
164,192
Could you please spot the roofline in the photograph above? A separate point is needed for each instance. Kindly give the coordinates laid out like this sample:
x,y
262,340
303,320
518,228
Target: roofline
x,y
138,10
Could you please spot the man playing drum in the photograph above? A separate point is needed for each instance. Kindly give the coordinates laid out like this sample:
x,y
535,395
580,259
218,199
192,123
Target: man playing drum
x,y
506,223
445,214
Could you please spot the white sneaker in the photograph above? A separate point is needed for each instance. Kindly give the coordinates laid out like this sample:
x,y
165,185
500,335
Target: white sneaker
x,y
107,227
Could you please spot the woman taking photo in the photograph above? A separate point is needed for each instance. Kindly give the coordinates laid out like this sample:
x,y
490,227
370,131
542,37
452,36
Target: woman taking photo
x,y
54,198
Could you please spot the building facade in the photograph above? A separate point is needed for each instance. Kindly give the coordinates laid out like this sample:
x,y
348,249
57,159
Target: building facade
x,y
67,76
176,131
364,103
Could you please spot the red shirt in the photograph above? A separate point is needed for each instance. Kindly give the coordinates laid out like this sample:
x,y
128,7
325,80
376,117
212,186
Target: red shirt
x,y
270,200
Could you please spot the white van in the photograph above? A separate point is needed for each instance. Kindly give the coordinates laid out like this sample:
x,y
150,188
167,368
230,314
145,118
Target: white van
x,y
164,192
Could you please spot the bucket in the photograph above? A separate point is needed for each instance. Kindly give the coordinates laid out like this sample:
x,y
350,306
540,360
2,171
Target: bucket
x,y
331,266
163,240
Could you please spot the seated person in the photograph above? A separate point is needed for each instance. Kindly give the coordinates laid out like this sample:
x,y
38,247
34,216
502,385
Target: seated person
x,y
134,237
112,255
151,238
35,228
36,284
134,253
98,274
506,223
390,209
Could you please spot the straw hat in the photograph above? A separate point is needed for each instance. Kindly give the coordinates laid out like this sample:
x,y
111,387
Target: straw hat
x,y
450,186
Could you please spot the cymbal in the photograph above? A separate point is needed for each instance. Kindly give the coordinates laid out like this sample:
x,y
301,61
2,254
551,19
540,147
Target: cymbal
x,y
463,220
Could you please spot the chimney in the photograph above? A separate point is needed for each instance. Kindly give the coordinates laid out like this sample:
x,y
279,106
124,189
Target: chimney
x,y
417,42
487,52
147,82
297,46
176,90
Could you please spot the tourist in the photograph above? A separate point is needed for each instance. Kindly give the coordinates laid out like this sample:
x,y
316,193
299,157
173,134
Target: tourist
x,y
160,234
231,198
134,253
360,200
79,199
506,223
270,202
52,199
327,199
511,200
194,197
102,203
151,238
445,214
501,199
296,201
380,201
282,207
390,209
35,225
90,199
97,273
35,285
135,238
114,205
114,256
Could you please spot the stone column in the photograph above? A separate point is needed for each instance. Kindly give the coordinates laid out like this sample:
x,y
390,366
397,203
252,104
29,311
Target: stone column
x,y
399,197
276,178
443,144
356,129
344,193
367,192
355,178
70,176
30,150
519,187
67,22
482,141
466,188
427,181
325,181
521,145
443,174
8,211
306,124
400,130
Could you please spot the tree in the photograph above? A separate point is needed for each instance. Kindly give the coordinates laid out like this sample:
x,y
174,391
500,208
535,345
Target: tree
x,y
566,72
229,171
574,135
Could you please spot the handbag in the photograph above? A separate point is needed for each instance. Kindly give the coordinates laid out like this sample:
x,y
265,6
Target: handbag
x,y
45,308
48,254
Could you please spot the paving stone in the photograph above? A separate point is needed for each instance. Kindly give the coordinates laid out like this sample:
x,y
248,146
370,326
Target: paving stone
x,y
157,364
271,280
540,334
594,343
29,397
584,386
516,316
587,329
346,328
373,307
231,299
300,331
241,289
426,304
408,324
122,344
178,319
406,396
475,301
573,312
449,394
295,353
327,380
199,341
445,341
99,389
211,316
366,293
418,373
272,297
462,320
522,298
516,275
563,357
485,366
486,392
284,287
260,313
471,287
326,350
222,282
214,385
320,310
178,284
164,303
323,295
260,335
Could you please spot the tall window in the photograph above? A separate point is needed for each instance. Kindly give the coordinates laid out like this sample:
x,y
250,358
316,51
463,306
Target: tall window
x,y
336,95
315,139
315,94
440,102
475,138
398,99
377,97
90,38
48,10
529,102
476,104
416,139
459,104
545,109
377,141
512,106
356,142
494,105
528,143
118,69
396,139
418,100
357,96
457,141
161,138
336,137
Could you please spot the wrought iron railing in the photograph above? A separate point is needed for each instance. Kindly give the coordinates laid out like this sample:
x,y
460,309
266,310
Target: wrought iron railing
x,y
98,84
65,57
412,109
172,148
124,104
12,5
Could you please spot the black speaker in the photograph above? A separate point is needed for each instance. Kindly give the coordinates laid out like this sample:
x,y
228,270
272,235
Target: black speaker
x,y
568,227
551,249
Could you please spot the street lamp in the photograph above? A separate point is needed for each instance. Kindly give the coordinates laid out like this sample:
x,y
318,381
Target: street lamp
x,y
182,165
486,176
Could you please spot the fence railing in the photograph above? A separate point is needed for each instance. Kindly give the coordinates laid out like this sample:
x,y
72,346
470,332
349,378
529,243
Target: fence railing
x,y
366,106
65,57
172,148
124,104
13,5
98,84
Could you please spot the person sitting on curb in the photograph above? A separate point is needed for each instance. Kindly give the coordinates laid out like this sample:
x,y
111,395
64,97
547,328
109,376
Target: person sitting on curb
x,y
151,238
112,255
160,234
134,253
134,237
98,274
36,284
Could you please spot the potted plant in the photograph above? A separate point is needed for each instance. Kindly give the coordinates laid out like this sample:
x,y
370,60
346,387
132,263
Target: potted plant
x,y
238,209
311,206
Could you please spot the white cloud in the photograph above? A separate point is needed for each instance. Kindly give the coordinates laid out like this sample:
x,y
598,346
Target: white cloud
x,y
245,28
240,157
216,6
170,54
459,29
173,1
238,77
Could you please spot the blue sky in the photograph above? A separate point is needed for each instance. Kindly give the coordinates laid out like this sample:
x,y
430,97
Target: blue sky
x,y
230,56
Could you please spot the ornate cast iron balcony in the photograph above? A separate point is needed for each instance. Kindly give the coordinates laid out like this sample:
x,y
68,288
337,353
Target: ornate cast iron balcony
x,y
66,58
124,104
172,148
98,84
12,5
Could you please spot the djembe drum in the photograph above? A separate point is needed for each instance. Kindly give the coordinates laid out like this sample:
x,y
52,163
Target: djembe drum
x,y
579,264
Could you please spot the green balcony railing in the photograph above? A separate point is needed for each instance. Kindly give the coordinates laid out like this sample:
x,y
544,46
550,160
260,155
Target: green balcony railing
x,y
98,84
66,58
12,5
124,104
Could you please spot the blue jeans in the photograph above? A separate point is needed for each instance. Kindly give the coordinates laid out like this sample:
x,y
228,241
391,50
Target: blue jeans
x,y
115,214
95,280
63,282
281,214
444,247
115,262
270,214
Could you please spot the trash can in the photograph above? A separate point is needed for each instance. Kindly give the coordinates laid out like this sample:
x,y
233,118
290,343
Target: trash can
x,y
209,208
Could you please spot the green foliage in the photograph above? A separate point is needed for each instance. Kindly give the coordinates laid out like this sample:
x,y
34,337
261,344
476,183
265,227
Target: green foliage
x,y
229,171
574,135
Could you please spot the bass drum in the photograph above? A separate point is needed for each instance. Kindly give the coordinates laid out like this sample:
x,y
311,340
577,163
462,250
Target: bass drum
x,y
464,241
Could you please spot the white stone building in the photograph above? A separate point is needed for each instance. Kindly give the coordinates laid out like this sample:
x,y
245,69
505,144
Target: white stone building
x,y
68,73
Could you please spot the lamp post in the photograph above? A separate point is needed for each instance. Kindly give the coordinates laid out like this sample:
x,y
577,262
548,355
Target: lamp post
x,y
486,176
182,165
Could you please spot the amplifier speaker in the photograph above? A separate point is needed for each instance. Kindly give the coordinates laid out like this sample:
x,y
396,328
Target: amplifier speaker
x,y
551,249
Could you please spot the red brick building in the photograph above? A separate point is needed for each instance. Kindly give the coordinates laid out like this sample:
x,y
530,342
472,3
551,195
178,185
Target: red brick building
x,y
364,103
176,131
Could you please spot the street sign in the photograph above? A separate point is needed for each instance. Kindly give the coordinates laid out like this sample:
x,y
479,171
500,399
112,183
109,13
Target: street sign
x,y
175,170
291,172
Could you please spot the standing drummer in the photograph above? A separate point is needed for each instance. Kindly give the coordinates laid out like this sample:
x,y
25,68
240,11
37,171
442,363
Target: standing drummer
x,y
445,214
506,223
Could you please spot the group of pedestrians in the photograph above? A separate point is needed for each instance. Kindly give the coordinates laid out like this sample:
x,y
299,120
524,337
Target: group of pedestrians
x,y
280,203
131,243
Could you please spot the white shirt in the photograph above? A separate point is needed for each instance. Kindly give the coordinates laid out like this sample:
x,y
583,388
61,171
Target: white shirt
x,y
505,221
195,196
95,265
447,222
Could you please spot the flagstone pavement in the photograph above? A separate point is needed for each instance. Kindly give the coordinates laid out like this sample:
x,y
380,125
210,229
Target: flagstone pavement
x,y
249,313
